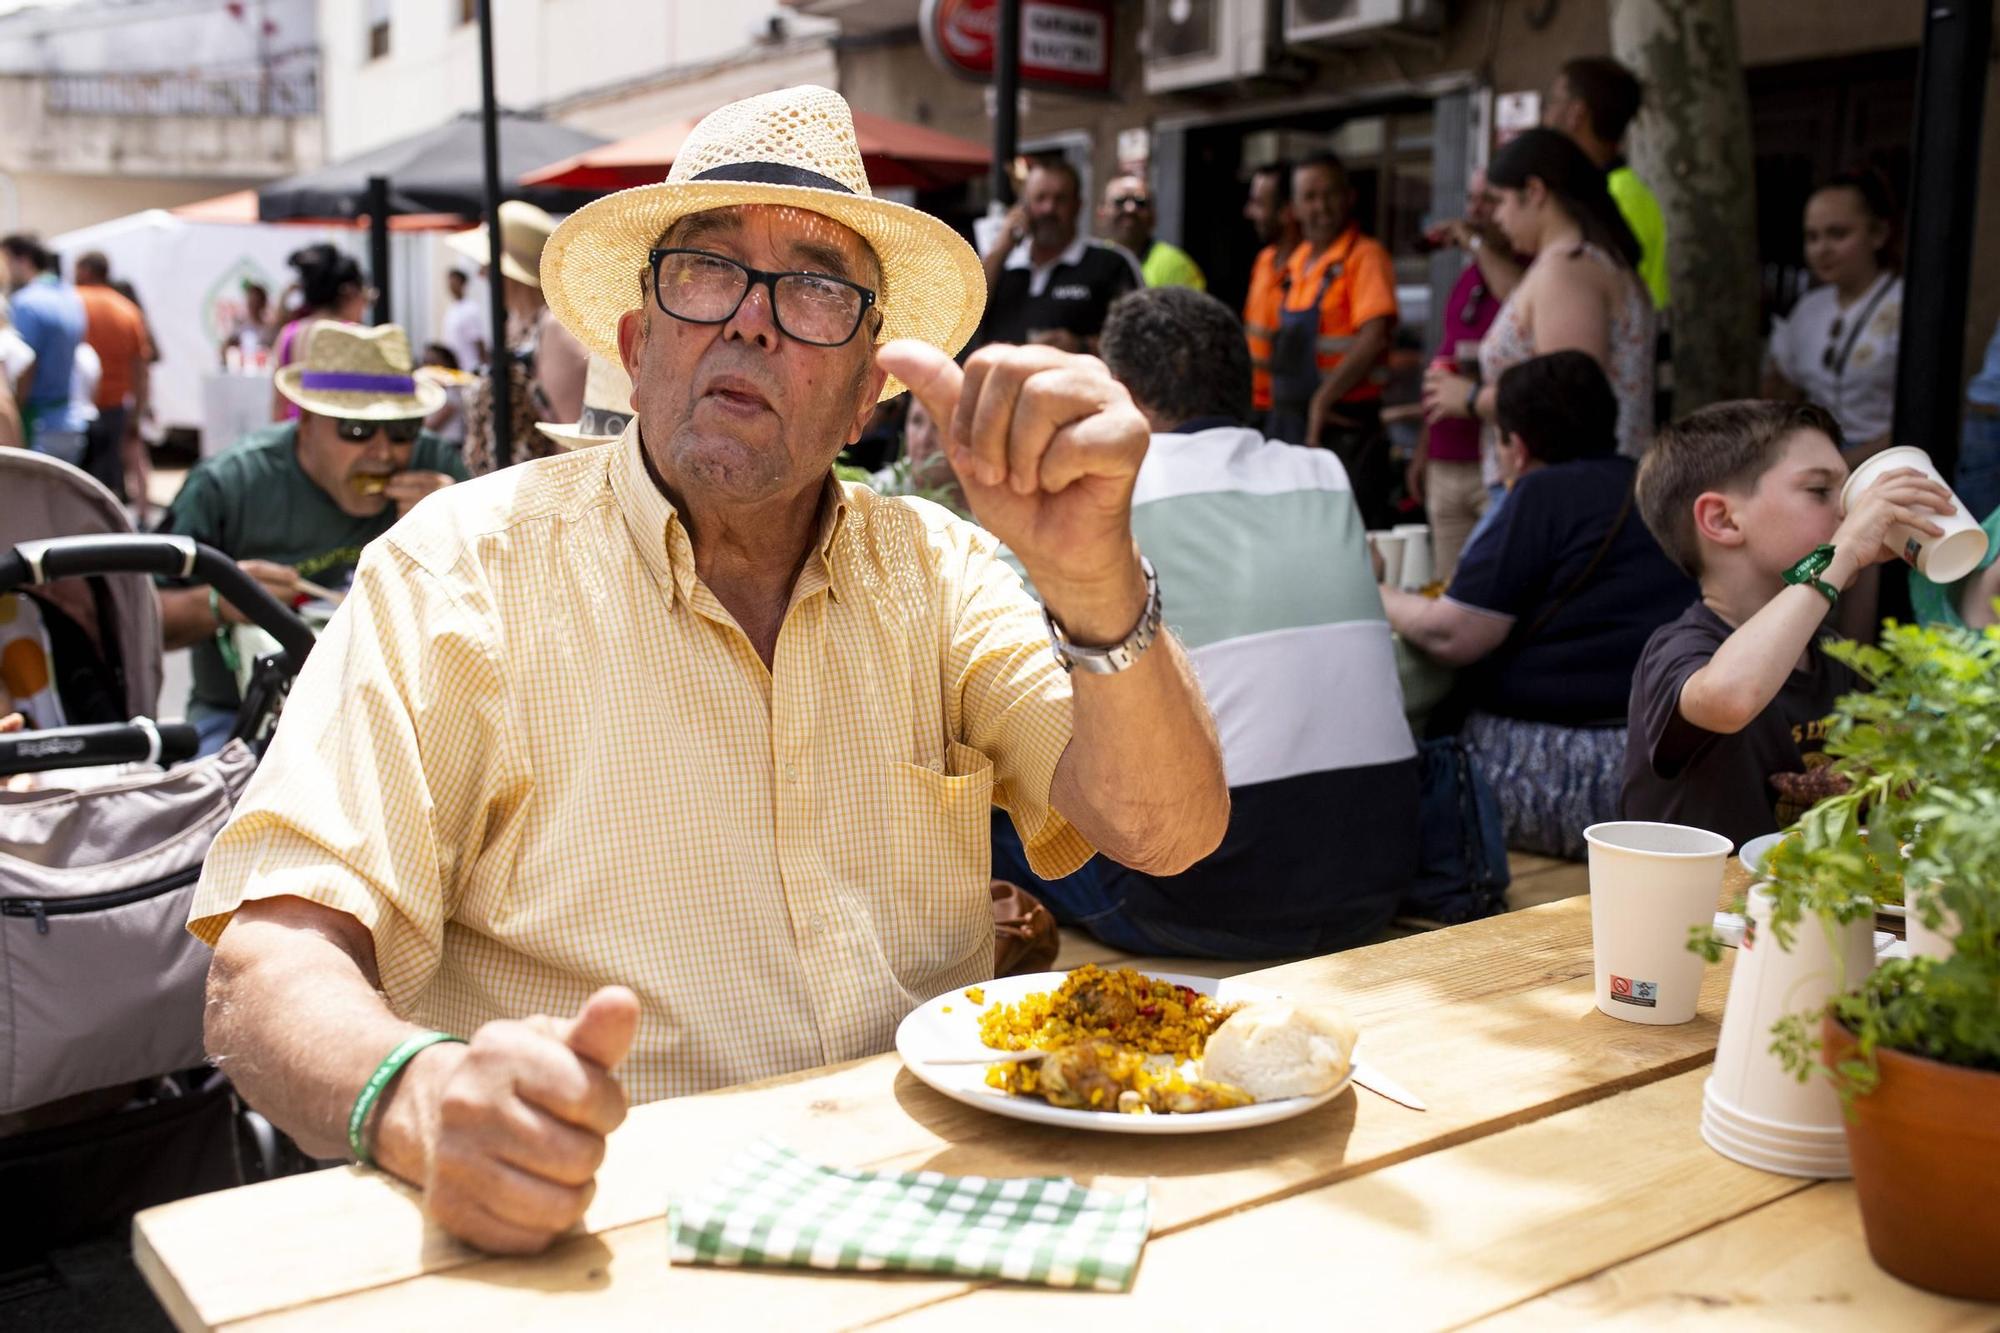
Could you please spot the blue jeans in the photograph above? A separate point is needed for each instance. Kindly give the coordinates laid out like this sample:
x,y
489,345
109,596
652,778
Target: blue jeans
x,y
212,727
1978,479
1091,899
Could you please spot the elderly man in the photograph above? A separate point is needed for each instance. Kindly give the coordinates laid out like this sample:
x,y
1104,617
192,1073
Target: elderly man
x,y
674,754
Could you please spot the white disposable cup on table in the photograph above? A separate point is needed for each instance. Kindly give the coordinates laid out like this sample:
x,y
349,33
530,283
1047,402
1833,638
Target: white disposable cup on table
x,y
1942,559
1753,1110
1417,562
1650,884
1391,545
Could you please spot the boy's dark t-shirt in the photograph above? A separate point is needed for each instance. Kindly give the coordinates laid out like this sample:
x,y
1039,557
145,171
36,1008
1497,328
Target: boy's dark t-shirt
x,y
1678,773
255,502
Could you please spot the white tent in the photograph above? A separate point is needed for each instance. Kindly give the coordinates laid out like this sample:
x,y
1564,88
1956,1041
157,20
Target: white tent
x,y
189,276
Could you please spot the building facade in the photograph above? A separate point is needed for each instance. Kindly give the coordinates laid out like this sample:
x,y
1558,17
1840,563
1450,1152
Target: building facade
x,y
112,106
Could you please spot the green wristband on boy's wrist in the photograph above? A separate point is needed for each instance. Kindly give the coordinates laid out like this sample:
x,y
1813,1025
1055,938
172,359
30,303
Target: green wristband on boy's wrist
x,y
1808,571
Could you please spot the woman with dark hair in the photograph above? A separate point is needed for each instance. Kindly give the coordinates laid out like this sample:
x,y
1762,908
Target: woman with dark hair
x,y
1580,291
1838,346
330,286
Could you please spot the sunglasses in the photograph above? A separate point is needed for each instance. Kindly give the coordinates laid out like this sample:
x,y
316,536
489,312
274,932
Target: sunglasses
x,y
1131,203
403,430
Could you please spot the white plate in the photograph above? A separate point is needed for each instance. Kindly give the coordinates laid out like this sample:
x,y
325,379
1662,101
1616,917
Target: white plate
x,y
1754,851
931,1033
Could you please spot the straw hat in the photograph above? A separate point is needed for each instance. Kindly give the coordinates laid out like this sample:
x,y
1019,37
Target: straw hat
x,y
524,230
792,148
351,370
607,406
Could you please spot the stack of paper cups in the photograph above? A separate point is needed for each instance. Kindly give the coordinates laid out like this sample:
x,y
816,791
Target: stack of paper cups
x,y
1650,884
1753,1111
1391,545
1944,559
1418,566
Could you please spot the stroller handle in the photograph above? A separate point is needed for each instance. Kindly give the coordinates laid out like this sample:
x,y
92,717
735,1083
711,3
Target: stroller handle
x,y
139,741
35,562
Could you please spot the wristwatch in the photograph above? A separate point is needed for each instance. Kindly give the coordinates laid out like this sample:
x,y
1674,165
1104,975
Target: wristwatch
x,y
1119,656
1808,572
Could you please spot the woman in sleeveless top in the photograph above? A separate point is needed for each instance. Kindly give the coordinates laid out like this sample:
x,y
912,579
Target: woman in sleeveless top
x,y
1579,292
331,286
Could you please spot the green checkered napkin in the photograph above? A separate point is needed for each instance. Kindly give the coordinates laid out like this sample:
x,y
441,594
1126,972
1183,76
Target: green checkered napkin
x,y
771,1206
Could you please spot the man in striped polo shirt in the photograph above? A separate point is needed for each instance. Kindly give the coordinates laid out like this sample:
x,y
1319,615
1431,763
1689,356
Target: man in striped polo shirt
x,y
1276,604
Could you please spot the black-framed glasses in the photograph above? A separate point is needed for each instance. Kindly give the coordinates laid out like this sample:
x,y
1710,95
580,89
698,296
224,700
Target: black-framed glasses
x,y
705,288
402,430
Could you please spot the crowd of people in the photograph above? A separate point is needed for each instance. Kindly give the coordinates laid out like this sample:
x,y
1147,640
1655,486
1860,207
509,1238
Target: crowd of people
x,y
681,738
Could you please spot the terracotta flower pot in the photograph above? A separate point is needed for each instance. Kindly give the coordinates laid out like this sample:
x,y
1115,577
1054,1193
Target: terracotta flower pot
x,y
1926,1151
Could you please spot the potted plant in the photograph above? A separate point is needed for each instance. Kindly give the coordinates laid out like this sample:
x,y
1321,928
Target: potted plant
x,y
1913,1047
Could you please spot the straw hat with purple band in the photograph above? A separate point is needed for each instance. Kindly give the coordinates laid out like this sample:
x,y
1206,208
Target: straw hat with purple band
x,y
358,372
607,406
795,148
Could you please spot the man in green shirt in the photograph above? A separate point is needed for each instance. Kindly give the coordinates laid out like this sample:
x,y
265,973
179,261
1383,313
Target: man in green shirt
x,y
1594,100
1127,218
298,500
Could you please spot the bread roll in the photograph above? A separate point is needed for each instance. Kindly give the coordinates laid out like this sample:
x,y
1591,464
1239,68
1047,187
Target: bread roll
x,y
1280,1049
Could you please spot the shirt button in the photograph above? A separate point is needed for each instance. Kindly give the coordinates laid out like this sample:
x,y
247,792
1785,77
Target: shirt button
x,y
791,773
818,924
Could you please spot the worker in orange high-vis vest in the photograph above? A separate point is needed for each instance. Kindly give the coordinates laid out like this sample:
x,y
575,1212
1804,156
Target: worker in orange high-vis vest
x,y
1334,322
1269,210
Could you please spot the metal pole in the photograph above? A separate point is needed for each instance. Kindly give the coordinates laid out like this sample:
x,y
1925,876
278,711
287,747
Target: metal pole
x,y
1944,186
378,244
1006,99
496,282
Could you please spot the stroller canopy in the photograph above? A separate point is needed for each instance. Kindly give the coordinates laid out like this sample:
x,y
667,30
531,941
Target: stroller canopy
x,y
46,497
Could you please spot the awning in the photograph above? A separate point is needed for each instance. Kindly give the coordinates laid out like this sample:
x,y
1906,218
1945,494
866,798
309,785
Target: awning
x,y
894,153
240,207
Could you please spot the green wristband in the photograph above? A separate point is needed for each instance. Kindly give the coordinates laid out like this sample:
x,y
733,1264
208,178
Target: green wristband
x,y
371,1091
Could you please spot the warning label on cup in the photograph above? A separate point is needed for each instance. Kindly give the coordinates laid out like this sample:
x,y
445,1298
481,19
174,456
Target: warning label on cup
x,y
1627,991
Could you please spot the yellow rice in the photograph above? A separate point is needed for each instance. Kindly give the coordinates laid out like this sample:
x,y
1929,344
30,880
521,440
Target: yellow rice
x,y
1174,1021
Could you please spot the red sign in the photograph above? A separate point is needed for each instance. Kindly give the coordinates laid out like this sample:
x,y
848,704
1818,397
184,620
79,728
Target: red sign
x,y
1065,44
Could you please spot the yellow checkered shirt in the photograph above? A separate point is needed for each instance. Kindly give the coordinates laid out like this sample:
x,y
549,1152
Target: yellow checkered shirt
x,y
534,755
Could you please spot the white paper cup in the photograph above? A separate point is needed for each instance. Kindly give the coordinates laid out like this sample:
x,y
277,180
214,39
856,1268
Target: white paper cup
x,y
1391,545
1945,559
1650,884
1769,983
1417,563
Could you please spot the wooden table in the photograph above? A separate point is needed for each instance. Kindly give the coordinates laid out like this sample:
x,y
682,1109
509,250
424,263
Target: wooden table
x,y
1558,1178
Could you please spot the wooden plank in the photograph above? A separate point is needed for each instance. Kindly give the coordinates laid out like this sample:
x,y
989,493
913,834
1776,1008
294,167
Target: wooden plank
x,y
1493,1023
1433,1242
1566,879
1520,865
1801,1262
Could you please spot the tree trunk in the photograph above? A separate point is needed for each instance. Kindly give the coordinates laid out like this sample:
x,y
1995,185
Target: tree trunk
x,y
1692,145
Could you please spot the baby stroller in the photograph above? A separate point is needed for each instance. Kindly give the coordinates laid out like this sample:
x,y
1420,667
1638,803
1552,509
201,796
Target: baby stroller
x,y
106,1105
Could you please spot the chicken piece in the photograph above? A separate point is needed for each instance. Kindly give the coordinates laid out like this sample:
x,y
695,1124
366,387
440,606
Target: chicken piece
x,y
1099,1005
1196,1095
1089,1075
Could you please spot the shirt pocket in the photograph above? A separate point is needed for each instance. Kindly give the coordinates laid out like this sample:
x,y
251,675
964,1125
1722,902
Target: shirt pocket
x,y
936,912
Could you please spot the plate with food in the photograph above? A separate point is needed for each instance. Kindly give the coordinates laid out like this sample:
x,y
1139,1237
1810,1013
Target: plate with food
x,y
1127,1052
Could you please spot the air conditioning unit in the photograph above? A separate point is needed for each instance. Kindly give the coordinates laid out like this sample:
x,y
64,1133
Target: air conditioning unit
x,y
1200,43
1355,22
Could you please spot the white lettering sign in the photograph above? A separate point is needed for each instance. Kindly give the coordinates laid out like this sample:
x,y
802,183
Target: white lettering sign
x,y
1068,40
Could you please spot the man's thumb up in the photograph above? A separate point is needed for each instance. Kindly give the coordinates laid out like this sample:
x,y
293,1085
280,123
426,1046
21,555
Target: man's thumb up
x,y
603,1029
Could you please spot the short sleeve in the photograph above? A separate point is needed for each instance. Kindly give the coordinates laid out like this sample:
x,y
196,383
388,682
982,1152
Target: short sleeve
x,y
1507,570
28,322
438,455
381,785
198,511
1675,652
1011,701
1372,284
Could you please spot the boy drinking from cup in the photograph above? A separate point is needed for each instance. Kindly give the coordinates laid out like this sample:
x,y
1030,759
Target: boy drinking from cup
x,y
1729,702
